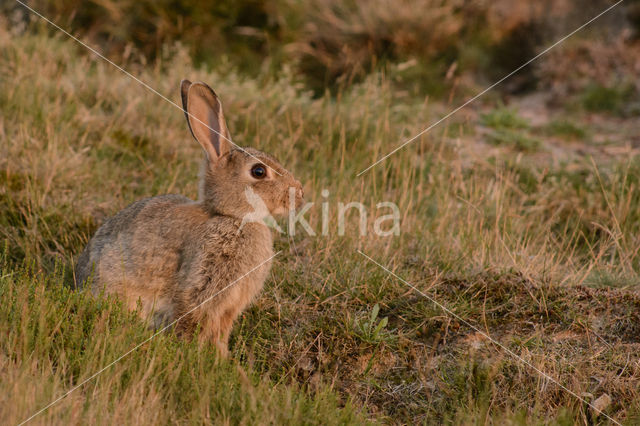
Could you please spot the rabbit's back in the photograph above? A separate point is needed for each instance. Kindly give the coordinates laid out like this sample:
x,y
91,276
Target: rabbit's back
x,y
138,252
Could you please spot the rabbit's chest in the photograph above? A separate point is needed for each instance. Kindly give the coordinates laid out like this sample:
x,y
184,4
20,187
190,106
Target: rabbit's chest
x,y
237,257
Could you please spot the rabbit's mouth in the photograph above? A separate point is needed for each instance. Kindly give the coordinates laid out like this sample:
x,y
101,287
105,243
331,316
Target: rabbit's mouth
x,y
291,201
299,198
296,197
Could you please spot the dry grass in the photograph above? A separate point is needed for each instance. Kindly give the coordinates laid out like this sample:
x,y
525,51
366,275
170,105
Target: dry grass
x,y
334,41
537,246
343,40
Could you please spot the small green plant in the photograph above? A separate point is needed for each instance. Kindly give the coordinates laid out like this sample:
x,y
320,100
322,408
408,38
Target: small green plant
x,y
566,129
519,140
598,98
503,118
372,330
604,279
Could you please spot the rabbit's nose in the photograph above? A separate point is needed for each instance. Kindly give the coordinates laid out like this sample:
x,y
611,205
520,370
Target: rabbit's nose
x,y
299,190
299,195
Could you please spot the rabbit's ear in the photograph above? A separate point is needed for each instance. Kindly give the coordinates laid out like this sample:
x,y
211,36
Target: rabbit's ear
x,y
205,118
184,91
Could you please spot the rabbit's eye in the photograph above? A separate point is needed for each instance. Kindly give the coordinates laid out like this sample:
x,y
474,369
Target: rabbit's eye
x,y
259,171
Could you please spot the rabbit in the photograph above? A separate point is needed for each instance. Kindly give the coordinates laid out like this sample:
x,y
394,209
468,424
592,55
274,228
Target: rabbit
x,y
166,255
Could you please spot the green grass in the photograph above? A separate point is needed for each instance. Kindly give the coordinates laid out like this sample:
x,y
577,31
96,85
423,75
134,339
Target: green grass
x,y
597,98
167,380
518,140
567,129
504,118
509,130
539,253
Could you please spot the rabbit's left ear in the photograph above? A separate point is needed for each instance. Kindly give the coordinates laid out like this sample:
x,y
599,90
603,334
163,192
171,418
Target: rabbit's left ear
x,y
205,118
184,90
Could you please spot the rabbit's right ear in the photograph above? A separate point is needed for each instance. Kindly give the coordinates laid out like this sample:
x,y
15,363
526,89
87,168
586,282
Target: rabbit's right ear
x,y
204,116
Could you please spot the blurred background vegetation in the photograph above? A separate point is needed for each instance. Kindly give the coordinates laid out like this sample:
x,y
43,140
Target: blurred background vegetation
x,y
426,46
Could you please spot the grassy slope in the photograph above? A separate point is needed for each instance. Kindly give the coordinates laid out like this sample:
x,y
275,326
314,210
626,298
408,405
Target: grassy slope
x,y
510,225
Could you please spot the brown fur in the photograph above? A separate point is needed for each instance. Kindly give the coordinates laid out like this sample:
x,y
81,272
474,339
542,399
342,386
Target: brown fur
x,y
169,254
